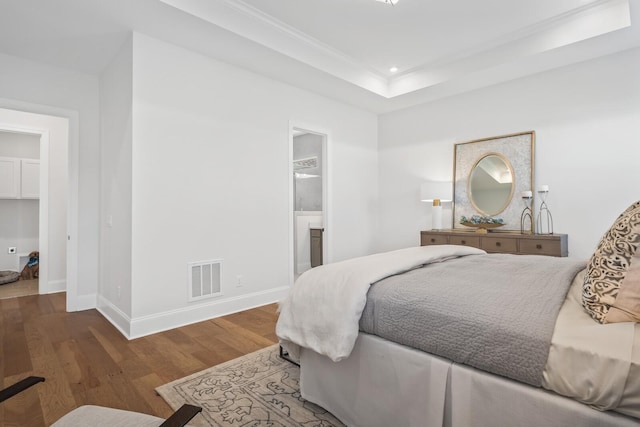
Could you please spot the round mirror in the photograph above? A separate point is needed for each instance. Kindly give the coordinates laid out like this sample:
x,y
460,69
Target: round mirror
x,y
490,184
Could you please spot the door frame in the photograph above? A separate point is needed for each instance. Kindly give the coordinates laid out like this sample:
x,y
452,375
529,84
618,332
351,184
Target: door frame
x,y
72,117
326,193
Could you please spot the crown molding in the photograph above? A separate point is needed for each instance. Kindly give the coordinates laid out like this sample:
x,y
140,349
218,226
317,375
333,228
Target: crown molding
x,y
588,21
253,24
593,15
302,37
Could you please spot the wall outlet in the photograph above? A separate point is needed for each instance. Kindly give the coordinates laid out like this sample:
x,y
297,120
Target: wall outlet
x,y
11,250
239,281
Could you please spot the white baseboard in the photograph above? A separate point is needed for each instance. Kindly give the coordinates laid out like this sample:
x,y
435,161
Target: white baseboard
x,y
146,325
113,314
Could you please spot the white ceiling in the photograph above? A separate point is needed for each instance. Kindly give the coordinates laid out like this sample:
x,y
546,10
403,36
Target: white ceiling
x,y
415,33
339,48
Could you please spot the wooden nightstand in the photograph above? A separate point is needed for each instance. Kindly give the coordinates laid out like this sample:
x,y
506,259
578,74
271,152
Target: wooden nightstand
x,y
500,242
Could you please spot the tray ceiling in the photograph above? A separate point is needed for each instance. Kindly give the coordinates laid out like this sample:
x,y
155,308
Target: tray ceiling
x,y
339,48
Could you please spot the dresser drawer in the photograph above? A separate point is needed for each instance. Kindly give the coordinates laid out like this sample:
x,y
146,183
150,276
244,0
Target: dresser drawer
x,y
499,244
433,239
540,247
465,241
502,242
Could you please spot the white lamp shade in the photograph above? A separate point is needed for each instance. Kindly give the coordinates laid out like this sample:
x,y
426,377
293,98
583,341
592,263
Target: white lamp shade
x,y
432,190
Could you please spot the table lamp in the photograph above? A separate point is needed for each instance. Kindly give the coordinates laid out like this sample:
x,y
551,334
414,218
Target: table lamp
x,y
436,192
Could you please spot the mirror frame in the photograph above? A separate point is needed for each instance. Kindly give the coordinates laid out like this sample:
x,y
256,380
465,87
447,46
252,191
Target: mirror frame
x,y
511,192
518,149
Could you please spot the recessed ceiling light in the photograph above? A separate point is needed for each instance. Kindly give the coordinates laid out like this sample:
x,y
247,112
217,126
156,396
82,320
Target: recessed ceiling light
x,y
391,2
393,69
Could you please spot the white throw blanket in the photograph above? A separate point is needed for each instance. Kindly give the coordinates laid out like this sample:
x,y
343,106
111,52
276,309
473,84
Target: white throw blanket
x,y
322,311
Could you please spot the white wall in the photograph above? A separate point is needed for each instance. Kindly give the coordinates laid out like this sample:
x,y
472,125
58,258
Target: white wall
x,y
18,218
20,145
115,222
211,180
18,228
33,87
586,120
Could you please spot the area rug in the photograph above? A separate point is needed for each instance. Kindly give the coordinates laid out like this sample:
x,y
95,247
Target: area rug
x,y
259,389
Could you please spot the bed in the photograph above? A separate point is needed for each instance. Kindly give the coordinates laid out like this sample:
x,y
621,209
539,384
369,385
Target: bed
x,y
384,355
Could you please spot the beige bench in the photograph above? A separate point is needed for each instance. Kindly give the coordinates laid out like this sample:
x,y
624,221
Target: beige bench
x,y
98,416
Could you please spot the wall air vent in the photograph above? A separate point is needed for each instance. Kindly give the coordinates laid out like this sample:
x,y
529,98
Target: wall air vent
x,y
205,278
307,163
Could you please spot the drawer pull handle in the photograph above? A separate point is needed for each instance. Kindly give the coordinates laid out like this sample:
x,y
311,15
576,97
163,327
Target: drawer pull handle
x,y
538,246
498,244
464,242
433,240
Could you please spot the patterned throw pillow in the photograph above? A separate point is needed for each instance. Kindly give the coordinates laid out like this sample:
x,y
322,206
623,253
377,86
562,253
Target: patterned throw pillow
x,y
611,291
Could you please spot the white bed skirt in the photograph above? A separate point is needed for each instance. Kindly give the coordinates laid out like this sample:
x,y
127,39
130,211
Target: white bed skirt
x,y
387,384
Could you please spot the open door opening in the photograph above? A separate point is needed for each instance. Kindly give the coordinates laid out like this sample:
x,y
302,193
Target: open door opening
x,y
308,199
41,187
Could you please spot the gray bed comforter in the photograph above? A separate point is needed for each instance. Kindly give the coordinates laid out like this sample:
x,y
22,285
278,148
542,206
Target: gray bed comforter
x,y
493,312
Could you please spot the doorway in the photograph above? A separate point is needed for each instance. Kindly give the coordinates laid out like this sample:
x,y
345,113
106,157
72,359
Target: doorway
x,y
308,202
56,188
19,212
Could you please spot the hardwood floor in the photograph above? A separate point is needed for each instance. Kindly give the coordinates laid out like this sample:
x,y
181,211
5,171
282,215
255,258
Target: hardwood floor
x,y
85,360
19,289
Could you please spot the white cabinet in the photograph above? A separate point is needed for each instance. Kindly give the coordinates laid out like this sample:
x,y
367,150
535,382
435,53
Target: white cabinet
x,y
19,178
9,178
30,179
